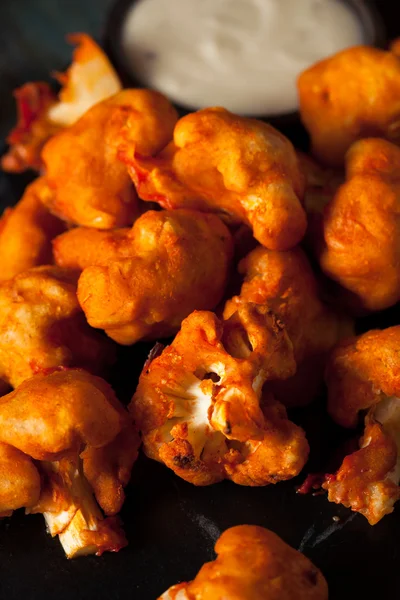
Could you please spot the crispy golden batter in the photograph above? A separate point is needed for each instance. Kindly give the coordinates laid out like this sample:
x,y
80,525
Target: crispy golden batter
x,y
351,95
198,403
42,326
19,480
26,231
84,247
360,243
367,481
284,282
105,465
253,563
33,128
144,281
363,374
53,429
240,168
90,79
91,186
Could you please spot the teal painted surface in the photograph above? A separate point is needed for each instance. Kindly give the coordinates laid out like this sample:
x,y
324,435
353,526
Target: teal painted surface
x,y
32,41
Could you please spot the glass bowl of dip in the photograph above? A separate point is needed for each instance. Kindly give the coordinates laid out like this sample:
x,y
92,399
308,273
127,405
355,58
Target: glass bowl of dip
x,y
244,55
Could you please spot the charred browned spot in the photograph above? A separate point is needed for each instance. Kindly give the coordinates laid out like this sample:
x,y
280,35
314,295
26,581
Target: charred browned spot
x,y
213,376
183,462
277,324
312,576
325,96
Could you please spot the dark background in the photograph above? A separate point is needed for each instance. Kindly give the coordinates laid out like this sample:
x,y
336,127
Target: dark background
x,y
171,525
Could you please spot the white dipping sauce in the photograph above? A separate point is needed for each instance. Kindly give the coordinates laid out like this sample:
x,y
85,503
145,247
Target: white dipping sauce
x,y
244,55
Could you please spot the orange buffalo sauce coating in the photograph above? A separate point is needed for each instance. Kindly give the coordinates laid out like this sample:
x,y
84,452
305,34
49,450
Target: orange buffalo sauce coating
x,y
26,232
349,96
253,563
358,242
67,447
241,169
141,283
90,185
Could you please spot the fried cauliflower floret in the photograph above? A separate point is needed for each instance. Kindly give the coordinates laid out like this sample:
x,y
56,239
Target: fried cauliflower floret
x,y
351,95
363,375
253,563
361,372
198,403
143,282
359,247
26,231
240,168
52,429
284,282
90,79
91,186
43,327
33,128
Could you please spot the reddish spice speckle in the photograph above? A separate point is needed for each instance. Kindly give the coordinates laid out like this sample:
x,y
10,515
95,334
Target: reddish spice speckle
x,y
312,482
38,369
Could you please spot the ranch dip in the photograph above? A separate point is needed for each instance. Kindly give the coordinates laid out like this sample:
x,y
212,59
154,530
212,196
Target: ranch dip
x,y
244,55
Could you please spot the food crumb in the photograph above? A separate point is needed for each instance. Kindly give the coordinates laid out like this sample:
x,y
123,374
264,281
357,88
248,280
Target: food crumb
x,y
336,519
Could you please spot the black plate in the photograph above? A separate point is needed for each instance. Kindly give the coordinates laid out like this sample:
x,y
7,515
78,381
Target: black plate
x,y
172,526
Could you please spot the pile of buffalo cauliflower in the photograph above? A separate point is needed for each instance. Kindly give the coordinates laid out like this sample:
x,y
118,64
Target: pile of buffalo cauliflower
x,y
248,264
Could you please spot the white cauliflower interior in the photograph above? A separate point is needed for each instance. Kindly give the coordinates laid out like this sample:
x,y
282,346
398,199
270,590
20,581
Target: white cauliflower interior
x,y
91,82
193,407
171,595
82,514
387,413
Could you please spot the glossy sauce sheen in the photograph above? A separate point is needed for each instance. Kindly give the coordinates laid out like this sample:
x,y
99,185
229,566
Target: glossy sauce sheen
x,y
244,55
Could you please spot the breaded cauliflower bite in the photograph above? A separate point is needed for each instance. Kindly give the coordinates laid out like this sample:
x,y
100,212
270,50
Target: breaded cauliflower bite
x,y
90,79
42,326
91,186
67,447
26,231
198,404
359,246
240,168
284,282
253,563
351,95
141,283
363,377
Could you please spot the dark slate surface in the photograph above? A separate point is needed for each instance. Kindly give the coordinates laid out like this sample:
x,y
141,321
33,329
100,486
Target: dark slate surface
x,y
172,525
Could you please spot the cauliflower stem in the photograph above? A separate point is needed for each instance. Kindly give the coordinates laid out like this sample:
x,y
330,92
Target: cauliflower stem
x,y
71,512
